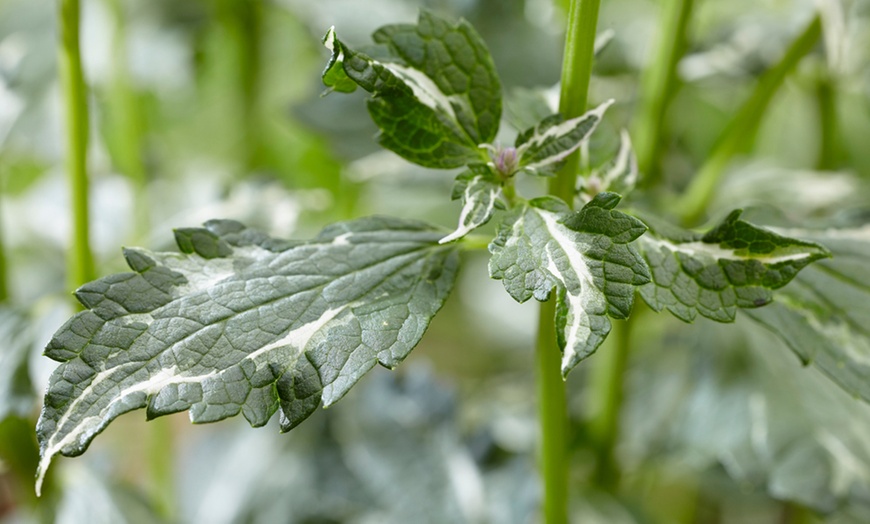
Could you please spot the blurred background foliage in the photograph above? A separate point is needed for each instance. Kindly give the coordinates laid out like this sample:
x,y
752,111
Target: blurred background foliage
x,y
211,108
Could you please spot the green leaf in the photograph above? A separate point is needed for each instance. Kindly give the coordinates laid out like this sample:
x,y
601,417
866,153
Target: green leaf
x,y
822,315
736,264
436,94
270,325
586,255
480,192
542,147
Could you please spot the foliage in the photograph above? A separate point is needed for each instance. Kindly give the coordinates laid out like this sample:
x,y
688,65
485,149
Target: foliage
x,y
239,322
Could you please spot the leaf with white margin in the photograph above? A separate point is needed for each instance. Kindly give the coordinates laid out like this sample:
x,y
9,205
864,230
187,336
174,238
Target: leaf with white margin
x,y
542,147
587,255
480,192
242,323
734,265
619,177
436,94
822,315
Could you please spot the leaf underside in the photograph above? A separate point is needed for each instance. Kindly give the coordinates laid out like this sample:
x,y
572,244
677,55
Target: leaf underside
x,y
822,315
735,265
243,323
586,256
436,94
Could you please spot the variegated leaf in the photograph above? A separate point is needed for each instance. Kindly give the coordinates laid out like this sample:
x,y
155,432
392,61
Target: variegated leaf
x,y
586,255
242,323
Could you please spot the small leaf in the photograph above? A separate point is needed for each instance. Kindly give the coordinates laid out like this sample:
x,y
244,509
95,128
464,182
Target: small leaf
x,y
586,255
436,94
542,147
481,195
822,315
734,265
620,176
270,325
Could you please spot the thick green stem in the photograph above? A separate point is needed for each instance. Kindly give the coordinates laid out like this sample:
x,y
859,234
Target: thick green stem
x,y
552,414
660,85
607,393
740,133
81,263
552,406
576,72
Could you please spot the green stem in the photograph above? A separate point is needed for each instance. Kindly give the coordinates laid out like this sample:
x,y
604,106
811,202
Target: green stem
x,y
826,97
740,132
607,394
576,73
660,86
81,263
552,405
552,414
128,119
161,447
242,21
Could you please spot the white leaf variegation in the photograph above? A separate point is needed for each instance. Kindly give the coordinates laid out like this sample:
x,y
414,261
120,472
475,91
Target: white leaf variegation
x,y
541,148
435,92
822,314
620,176
481,195
242,323
585,255
734,265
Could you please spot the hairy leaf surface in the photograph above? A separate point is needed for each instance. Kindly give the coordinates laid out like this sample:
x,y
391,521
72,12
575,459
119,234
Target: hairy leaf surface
x,y
480,192
436,94
823,314
243,323
585,255
736,264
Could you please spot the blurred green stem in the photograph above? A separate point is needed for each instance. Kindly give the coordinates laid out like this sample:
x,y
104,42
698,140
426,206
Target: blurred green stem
x,y
606,398
552,405
242,21
740,132
81,263
827,107
161,460
660,86
128,119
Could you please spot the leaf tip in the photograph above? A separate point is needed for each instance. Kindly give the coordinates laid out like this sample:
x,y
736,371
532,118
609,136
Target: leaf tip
x,y
41,469
329,38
